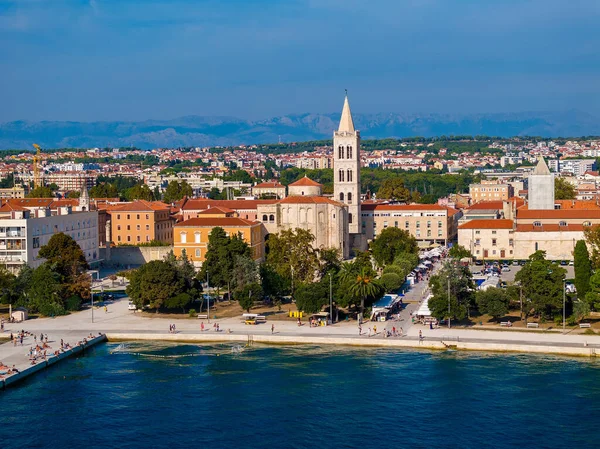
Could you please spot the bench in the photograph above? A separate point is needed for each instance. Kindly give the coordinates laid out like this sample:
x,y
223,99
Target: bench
x,y
582,325
536,325
505,323
202,316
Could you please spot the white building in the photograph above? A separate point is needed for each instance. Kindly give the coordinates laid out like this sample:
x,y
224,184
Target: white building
x,y
541,187
24,232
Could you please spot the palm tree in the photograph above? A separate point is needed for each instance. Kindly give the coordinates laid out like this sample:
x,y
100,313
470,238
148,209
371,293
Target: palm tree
x,y
364,285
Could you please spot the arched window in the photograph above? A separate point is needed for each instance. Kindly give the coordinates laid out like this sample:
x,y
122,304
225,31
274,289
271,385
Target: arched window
x,y
349,197
342,197
562,223
349,218
587,223
537,223
196,237
341,175
264,218
349,175
348,152
271,218
340,152
183,237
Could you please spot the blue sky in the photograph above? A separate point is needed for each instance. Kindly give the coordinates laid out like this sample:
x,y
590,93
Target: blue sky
x,y
155,59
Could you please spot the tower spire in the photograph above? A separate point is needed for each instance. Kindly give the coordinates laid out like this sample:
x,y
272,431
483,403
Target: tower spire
x,y
346,122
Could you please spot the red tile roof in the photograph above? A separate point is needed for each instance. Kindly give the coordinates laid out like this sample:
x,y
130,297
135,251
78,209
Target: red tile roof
x,y
216,210
7,207
199,222
487,224
269,185
306,182
309,200
201,204
141,206
550,227
410,207
558,214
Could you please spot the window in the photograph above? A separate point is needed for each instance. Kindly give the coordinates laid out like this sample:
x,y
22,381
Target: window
x,y
406,225
349,152
147,216
429,233
137,217
118,238
271,218
536,246
138,227
418,233
147,227
118,227
349,218
440,233
341,175
477,232
418,224
493,242
342,197
493,232
340,152
264,218
349,197
439,224
537,223
183,237
118,216
395,224
128,217
510,242
197,253
428,223
129,238
139,239
587,223
129,227
147,238
349,175
385,224
197,237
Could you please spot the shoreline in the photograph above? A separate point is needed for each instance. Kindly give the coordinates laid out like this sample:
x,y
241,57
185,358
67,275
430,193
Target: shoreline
x,y
429,344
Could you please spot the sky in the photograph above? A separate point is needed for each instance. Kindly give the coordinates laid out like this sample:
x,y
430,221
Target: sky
x,y
88,60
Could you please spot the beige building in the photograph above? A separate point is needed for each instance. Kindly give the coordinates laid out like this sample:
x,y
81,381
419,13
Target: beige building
x,y
490,191
141,222
12,193
271,189
428,223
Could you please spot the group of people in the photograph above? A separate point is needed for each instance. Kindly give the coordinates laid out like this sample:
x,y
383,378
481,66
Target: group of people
x,y
6,370
172,328
386,333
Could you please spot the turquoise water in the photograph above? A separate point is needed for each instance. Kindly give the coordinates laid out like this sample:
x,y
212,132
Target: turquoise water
x,y
176,396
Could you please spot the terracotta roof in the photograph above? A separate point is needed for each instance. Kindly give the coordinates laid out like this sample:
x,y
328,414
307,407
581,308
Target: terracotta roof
x,y
495,204
65,202
198,222
201,204
487,224
32,202
415,207
216,210
557,214
306,182
141,206
7,207
577,204
269,184
592,173
550,227
309,200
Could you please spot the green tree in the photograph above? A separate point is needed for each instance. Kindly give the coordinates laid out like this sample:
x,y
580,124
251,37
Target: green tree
x,y
154,283
362,286
245,271
311,297
291,254
564,190
139,192
177,190
592,238
273,283
461,287
592,297
248,295
390,243
330,261
391,282
74,195
493,301
459,252
104,190
583,269
394,189
40,192
542,282
43,294
581,309
181,300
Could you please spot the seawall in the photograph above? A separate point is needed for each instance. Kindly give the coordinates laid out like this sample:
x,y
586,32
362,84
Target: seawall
x,y
54,359
557,349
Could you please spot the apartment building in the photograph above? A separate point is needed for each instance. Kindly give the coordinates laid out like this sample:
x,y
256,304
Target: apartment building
x,y
23,232
70,181
490,191
140,222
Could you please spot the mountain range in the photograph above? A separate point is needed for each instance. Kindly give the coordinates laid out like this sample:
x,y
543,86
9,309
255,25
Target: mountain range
x,y
225,131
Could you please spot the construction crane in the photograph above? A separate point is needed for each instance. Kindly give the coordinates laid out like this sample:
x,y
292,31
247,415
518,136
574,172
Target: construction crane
x,y
37,158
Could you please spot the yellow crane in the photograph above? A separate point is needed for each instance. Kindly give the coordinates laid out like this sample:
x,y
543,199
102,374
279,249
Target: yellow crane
x,y
37,179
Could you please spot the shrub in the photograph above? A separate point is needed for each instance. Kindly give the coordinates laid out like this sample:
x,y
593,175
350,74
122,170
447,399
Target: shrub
x,y
391,282
192,313
73,303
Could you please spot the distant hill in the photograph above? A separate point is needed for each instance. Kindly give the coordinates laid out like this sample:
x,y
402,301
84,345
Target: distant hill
x,y
211,131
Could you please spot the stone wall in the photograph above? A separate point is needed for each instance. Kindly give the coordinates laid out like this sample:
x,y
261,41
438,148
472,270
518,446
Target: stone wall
x,y
133,256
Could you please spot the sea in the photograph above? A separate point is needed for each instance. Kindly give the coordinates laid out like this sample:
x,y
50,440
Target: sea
x,y
140,395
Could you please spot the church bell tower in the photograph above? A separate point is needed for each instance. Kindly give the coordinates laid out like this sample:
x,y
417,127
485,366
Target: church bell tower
x,y
346,168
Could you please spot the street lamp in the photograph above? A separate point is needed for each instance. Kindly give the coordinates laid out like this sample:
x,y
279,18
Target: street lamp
x,y
330,298
564,302
448,302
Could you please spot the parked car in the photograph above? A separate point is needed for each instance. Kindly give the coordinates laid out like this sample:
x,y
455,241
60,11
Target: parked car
x,y
564,263
505,269
515,263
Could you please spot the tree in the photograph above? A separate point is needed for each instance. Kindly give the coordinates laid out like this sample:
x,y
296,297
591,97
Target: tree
x,y
139,192
493,301
390,243
542,283
273,283
248,295
330,261
592,238
310,298
291,254
177,190
391,282
564,190
581,309
104,190
74,195
394,189
459,252
583,269
460,281
154,283
245,271
592,297
65,256
181,300
43,292
40,192
362,285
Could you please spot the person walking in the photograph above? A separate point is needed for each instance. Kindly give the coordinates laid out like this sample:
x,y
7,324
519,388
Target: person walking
x,y
359,329
272,328
202,326
420,337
